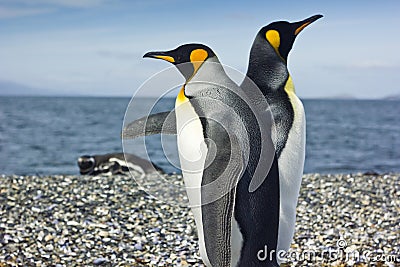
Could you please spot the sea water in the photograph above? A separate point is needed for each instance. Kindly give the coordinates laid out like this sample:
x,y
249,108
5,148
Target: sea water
x,y
46,135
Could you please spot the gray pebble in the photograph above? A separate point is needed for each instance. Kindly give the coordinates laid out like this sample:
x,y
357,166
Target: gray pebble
x,y
138,246
99,261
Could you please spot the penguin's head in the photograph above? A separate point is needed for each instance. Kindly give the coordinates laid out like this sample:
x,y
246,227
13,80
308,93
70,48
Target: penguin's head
x,y
86,164
188,58
282,34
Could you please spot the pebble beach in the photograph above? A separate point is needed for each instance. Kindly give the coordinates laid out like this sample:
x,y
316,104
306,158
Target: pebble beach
x,y
64,220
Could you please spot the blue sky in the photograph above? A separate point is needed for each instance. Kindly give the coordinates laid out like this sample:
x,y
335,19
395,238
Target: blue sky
x,y
95,47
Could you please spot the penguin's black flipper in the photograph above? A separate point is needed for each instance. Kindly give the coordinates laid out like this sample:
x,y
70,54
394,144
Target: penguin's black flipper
x,y
218,195
160,123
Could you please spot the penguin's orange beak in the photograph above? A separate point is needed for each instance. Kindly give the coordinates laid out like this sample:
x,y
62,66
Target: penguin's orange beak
x,y
160,55
301,25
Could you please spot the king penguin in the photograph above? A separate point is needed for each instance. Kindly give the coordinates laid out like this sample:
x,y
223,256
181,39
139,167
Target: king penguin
x,y
264,222
268,70
218,133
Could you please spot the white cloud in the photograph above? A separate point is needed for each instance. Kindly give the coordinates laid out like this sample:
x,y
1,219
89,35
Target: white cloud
x,y
361,66
14,12
23,8
373,64
120,55
71,3
53,3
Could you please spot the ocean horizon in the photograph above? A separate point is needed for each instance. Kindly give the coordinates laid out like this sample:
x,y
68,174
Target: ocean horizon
x,y
46,134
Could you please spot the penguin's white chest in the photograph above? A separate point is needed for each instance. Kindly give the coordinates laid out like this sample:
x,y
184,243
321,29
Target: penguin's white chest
x,y
192,156
291,164
191,146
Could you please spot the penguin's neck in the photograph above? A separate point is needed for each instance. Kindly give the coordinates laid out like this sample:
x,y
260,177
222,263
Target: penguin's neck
x,y
266,69
210,71
269,73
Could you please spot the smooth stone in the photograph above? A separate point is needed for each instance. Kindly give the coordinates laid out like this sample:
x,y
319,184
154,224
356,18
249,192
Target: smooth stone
x,y
99,261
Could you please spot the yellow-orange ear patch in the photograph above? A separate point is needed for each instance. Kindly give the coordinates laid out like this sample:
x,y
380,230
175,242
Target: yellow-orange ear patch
x,y
197,57
273,38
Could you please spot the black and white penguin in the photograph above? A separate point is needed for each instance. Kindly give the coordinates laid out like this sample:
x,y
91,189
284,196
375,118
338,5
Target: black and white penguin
x,y
114,163
218,133
268,70
265,215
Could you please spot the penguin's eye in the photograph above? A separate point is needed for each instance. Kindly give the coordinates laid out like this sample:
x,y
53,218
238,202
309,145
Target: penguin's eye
x,y
273,38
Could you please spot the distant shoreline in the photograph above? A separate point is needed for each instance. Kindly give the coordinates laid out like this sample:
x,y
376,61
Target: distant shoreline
x,y
328,98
